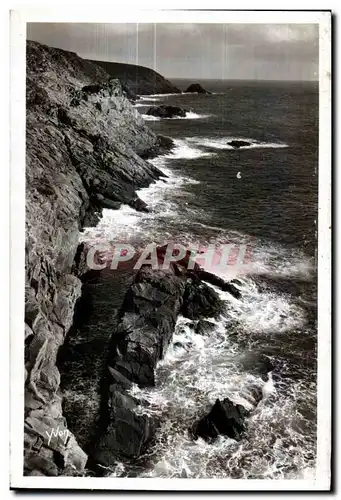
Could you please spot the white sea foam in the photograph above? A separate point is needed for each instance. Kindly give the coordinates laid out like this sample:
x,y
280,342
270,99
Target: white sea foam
x,y
190,115
222,143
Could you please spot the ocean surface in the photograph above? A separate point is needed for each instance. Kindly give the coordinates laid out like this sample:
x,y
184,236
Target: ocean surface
x,y
263,196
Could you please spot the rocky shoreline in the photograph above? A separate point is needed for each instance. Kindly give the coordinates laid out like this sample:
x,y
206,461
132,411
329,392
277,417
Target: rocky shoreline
x,y
86,150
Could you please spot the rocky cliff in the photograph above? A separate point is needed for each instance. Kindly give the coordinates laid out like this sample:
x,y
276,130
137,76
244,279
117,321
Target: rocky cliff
x,y
84,147
138,79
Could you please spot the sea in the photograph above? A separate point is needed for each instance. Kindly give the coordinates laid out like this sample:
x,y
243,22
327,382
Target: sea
x,y
264,196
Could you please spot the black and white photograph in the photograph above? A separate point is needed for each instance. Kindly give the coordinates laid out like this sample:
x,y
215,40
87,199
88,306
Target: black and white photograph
x,y
175,231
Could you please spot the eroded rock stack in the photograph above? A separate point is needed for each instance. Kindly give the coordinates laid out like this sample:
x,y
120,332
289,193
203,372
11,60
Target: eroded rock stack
x,y
196,88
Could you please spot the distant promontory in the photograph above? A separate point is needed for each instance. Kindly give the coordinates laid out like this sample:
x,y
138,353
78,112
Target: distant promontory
x,y
138,80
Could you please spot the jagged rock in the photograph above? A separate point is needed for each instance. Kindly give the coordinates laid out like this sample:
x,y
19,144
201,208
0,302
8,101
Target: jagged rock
x,y
46,437
106,203
224,418
167,111
200,300
198,273
196,88
119,379
238,144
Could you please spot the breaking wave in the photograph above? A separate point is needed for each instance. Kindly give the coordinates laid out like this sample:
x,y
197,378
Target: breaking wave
x,y
189,116
222,143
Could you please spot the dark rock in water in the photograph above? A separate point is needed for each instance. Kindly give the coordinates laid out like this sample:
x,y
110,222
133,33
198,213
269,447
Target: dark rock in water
x,y
139,205
238,144
197,88
166,111
107,203
224,418
203,327
233,290
146,323
200,300
78,160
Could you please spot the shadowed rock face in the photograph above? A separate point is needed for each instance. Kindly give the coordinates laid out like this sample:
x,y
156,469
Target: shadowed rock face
x,y
167,111
83,152
200,300
197,88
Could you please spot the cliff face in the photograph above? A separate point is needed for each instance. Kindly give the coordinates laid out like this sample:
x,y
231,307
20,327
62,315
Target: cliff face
x,y
138,79
84,145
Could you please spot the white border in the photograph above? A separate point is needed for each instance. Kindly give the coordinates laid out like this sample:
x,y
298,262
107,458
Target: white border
x,y
17,196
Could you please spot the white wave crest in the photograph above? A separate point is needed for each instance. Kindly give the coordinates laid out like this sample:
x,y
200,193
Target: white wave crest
x,y
222,143
184,150
190,115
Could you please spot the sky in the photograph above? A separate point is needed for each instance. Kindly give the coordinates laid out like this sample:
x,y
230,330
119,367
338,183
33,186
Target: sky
x,y
217,51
